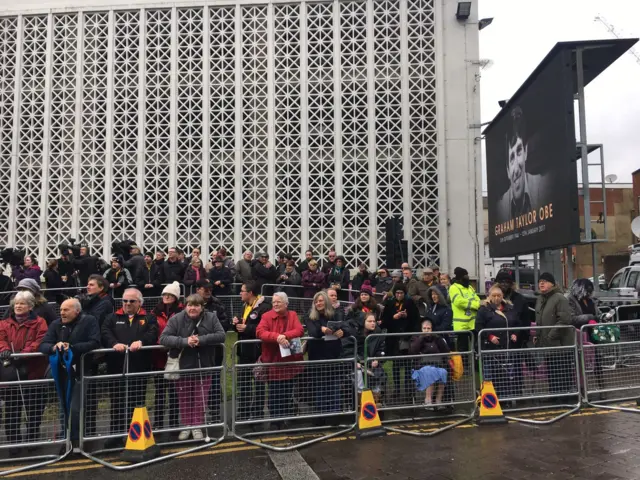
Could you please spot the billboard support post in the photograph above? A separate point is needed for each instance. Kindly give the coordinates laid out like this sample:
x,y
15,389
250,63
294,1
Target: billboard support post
x,y
517,271
536,271
584,153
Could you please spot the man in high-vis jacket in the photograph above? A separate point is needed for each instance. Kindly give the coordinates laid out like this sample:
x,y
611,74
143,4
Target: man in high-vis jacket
x,y
465,304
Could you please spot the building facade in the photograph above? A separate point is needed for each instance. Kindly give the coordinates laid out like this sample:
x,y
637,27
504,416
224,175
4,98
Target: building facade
x,y
256,125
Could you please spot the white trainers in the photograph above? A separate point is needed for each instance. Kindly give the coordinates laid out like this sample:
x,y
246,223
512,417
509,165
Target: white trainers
x,y
197,434
184,435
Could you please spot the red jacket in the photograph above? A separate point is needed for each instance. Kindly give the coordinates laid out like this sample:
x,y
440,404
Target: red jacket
x,y
270,327
26,338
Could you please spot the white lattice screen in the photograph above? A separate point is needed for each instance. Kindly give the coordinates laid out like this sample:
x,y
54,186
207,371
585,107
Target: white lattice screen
x,y
257,126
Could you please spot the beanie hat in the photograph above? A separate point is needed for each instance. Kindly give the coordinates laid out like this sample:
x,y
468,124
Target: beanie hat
x,y
460,272
504,276
172,289
396,273
366,288
548,277
29,284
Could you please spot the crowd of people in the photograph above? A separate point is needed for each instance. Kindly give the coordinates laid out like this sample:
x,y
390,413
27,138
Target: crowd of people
x,y
428,316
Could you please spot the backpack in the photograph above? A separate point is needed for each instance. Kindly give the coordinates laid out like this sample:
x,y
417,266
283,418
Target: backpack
x,y
457,368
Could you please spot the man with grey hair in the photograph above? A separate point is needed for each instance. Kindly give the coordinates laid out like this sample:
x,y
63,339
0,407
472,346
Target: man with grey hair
x,y
243,268
129,328
80,333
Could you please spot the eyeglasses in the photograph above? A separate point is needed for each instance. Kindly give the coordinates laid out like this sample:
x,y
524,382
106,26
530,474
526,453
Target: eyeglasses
x,y
129,301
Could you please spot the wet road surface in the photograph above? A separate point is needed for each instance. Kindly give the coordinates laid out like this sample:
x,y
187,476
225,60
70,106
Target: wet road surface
x,y
594,444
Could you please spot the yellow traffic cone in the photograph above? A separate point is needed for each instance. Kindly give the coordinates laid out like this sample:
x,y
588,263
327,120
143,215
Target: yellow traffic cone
x,y
490,411
141,446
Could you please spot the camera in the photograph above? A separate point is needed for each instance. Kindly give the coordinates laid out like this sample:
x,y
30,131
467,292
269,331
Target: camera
x,y
122,249
12,256
70,246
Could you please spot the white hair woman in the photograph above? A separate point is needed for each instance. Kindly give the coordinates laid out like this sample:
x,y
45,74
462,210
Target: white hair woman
x,y
22,332
277,329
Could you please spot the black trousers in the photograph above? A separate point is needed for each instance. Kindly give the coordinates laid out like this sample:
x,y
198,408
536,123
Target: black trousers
x,y
126,394
32,400
251,393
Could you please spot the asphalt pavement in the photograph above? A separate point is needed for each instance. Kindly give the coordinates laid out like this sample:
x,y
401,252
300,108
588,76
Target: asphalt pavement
x,y
593,444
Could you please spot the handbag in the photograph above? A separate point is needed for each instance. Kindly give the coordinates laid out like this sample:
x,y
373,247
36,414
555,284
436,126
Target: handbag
x,y
605,334
172,366
260,371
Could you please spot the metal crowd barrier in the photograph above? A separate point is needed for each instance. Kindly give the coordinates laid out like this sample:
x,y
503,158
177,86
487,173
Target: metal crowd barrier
x,y
383,373
603,382
31,416
195,401
315,394
544,377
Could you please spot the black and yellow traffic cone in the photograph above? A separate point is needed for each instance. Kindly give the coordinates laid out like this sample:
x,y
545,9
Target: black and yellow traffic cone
x,y
141,446
369,424
490,411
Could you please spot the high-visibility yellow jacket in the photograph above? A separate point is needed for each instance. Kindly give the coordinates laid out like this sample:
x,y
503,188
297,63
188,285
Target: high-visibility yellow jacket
x,y
464,302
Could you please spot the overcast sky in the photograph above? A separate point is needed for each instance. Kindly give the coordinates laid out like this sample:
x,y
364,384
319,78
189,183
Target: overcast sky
x,y
523,32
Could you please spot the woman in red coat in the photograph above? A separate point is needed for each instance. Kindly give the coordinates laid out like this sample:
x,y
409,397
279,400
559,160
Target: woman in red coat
x,y
166,395
277,330
22,332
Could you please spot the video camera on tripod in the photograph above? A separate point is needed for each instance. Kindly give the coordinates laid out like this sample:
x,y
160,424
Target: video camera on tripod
x,y
12,256
70,248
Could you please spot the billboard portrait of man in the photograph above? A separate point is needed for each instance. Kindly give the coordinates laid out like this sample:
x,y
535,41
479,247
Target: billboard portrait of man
x,y
523,194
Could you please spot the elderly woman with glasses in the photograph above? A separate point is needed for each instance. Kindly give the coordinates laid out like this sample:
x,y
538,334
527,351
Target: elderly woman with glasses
x,y
192,336
277,330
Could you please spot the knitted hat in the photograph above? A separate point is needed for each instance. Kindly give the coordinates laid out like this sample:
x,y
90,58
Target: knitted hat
x,y
366,288
396,273
29,284
548,277
460,272
173,289
504,276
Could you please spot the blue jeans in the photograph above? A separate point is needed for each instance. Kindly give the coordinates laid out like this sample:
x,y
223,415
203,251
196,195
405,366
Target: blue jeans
x,y
281,398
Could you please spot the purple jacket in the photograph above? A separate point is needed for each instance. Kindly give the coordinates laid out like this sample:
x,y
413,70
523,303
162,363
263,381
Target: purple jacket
x,y
312,282
20,273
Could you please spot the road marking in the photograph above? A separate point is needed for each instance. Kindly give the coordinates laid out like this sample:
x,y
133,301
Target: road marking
x,y
291,466
237,446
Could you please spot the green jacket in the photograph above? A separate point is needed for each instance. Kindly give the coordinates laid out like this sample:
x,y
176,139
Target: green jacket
x,y
464,302
552,309
417,288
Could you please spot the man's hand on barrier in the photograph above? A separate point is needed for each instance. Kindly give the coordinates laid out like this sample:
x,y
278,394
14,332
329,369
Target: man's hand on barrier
x,y
120,347
514,338
193,341
495,340
339,333
5,355
135,346
282,340
148,285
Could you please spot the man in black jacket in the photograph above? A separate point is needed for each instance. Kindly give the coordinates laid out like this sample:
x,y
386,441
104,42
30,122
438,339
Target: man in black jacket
x,y
149,278
254,307
80,333
263,271
304,265
86,265
97,302
136,261
130,328
173,269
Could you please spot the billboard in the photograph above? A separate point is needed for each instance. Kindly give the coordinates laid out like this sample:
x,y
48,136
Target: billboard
x,y
531,165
